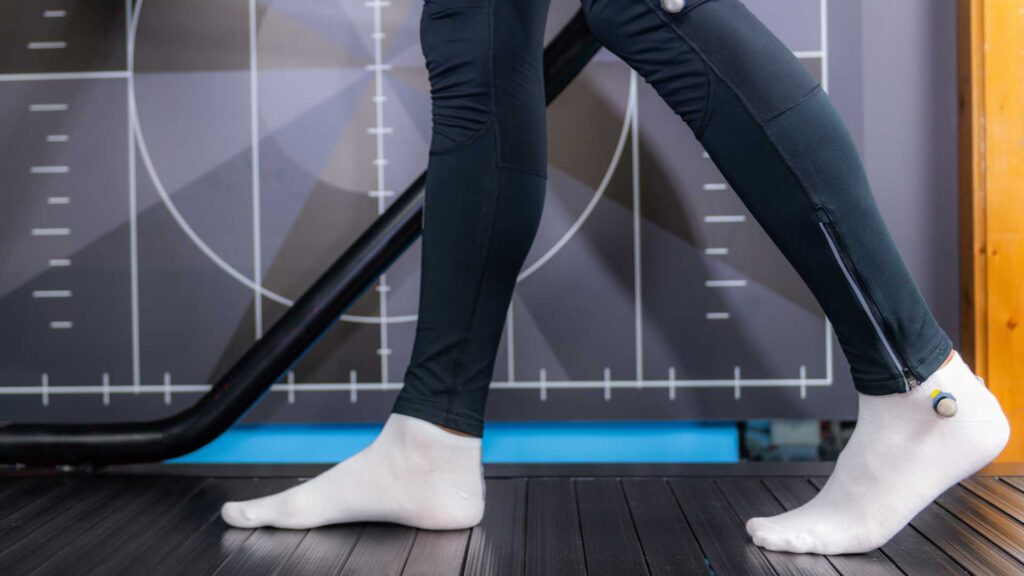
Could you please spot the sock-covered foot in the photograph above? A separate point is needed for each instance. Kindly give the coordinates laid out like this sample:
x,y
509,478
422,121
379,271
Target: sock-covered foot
x,y
413,473
902,455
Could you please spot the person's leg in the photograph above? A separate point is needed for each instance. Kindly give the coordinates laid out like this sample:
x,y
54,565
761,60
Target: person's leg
x,y
485,193
772,131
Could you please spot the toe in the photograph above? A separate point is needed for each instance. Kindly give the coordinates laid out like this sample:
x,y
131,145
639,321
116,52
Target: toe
x,y
239,515
757,527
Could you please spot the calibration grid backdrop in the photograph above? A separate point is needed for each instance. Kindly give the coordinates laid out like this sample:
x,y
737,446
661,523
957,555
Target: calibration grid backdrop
x,y
175,173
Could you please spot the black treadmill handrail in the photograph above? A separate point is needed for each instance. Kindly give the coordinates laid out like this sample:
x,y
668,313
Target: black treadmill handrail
x,y
284,343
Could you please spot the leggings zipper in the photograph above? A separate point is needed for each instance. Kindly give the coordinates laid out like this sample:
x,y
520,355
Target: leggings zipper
x,y
909,380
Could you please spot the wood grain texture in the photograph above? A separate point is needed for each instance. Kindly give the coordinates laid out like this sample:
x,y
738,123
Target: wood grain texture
x,y
668,542
610,542
437,553
498,543
381,551
718,530
991,38
554,544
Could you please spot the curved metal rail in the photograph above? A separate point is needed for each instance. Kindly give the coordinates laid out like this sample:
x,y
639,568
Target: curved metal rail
x,y
286,341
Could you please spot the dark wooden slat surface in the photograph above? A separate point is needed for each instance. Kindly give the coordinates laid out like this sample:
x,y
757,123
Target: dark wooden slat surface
x,y
1000,493
667,540
214,542
751,499
381,551
610,541
990,522
29,539
718,530
263,553
795,492
437,553
163,538
590,526
130,520
963,544
553,541
324,551
497,544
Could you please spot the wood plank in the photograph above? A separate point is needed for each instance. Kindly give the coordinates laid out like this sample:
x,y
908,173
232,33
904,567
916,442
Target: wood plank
x,y
30,492
323,551
380,551
971,197
667,540
967,547
497,544
263,553
987,520
912,552
1015,481
1002,495
437,553
991,41
135,514
749,499
63,506
214,542
719,531
554,544
610,543
167,534
795,492
1003,165
46,537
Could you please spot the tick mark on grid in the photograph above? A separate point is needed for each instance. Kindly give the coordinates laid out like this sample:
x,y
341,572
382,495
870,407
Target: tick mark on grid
x,y
61,325
60,262
57,138
714,186
54,13
51,293
716,251
725,283
58,200
51,231
56,107
725,218
50,169
47,45
717,315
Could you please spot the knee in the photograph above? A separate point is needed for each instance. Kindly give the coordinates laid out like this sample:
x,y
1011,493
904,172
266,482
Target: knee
x,y
456,42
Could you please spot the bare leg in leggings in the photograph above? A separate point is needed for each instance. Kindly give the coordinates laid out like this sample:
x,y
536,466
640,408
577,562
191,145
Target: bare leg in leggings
x,y
771,130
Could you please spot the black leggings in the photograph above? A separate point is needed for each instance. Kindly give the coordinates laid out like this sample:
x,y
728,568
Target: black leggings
x,y
764,121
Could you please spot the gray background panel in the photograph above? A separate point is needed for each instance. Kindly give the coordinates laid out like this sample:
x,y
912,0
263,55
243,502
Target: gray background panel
x,y
162,299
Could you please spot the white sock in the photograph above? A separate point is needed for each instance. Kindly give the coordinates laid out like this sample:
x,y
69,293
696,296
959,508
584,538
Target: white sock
x,y
902,455
414,473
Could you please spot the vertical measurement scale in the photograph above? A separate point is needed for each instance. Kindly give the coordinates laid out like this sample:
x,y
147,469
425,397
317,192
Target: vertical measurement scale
x,y
378,131
380,162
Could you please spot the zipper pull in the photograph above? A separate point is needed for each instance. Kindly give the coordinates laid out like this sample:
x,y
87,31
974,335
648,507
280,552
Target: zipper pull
x,y
912,382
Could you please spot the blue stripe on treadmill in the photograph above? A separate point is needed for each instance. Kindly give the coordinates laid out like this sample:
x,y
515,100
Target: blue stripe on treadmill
x,y
527,442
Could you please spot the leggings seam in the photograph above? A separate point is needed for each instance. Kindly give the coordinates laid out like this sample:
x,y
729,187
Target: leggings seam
x,y
490,78
799,101
465,142
502,165
459,360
